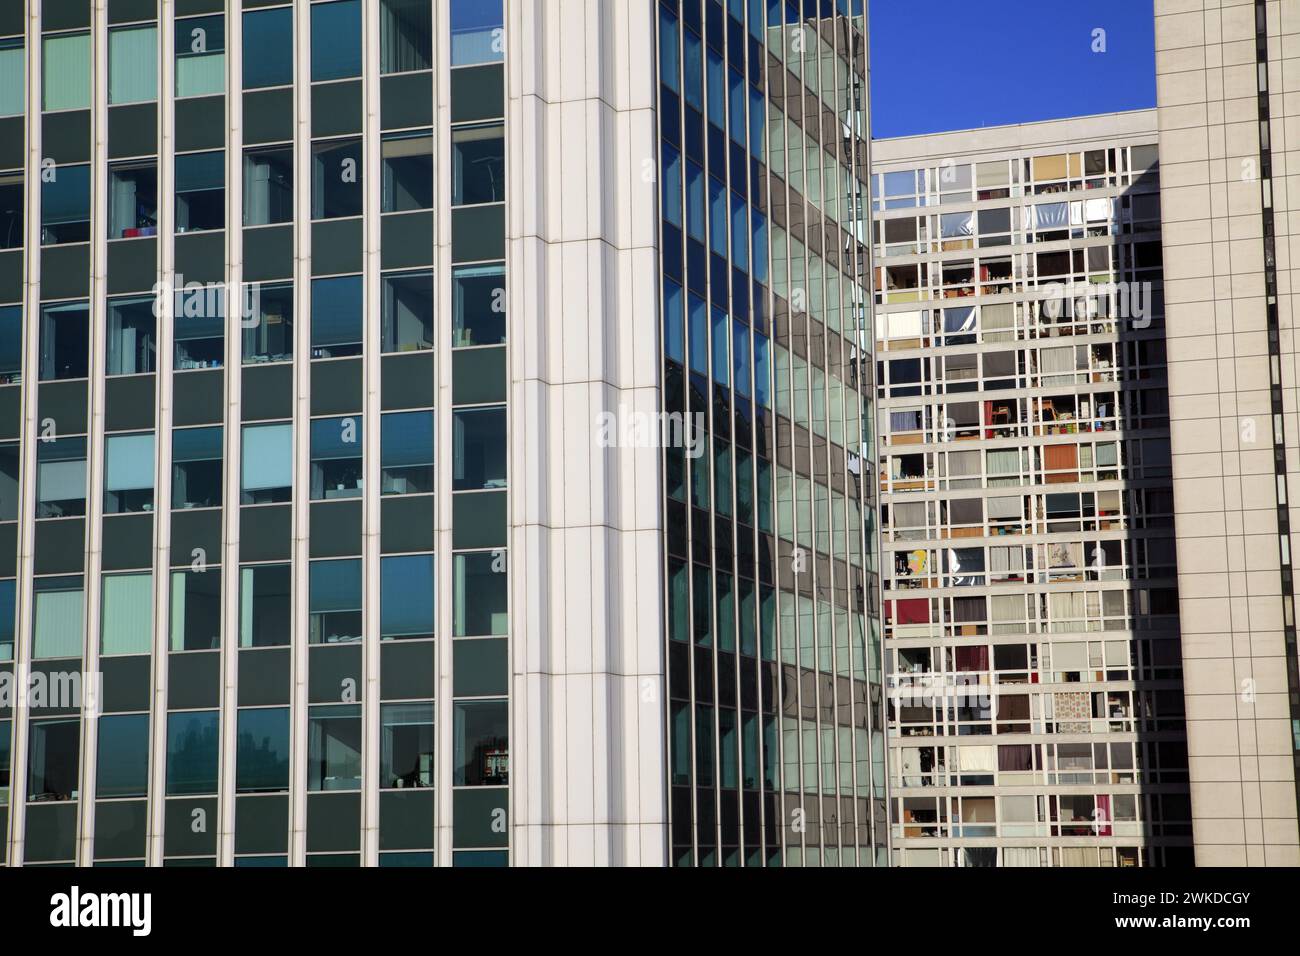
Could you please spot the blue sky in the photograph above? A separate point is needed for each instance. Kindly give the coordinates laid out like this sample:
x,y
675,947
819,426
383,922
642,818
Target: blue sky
x,y
957,64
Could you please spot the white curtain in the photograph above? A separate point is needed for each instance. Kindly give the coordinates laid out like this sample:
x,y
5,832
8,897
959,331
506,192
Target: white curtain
x,y
67,72
13,90
58,631
1020,856
132,59
128,614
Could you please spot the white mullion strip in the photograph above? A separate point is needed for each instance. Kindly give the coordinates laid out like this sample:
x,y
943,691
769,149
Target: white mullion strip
x,y
301,429
95,389
443,723
370,543
165,310
234,379
27,527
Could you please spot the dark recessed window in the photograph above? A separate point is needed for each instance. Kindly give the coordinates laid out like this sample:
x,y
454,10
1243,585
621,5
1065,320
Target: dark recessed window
x,y
61,478
65,341
478,158
132,331
200,191
11,211
478,299
53,758
479,594
268,330
199,326
481,739
407,169
479,441
334,748
264,609
406,744
65,205
336,317
405,35
407,311
196,610
336,458
11,344
268,186
336,179
268,48
10,467
197,467
335,40
8,613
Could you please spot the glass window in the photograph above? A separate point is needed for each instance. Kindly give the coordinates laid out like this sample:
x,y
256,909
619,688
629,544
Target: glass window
x,y
192,750
407,304
122,769
334,601
478,295
481,738
692,69
268,186
406,453
128,473
66,61
199,326
407,171
479,448
336,179
477,32
197,455
405,35
335,40
262,751
479,594
65,341
65,205
336,316
61,478
406,745
265,612
336,458
10,467
200,191
268,48
13,67
334,748
478,158
267,463
57,619
201,56
8,612
270,337
127,615
132,64
406,597
11,342
196,610
53,759
132,336
11,216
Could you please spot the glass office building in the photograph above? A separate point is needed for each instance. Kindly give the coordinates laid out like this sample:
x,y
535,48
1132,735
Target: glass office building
x,y
329,532
1035,702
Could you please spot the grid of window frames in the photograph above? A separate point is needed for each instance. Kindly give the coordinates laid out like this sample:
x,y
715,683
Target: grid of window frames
x,y
229,445
1027,527
775,751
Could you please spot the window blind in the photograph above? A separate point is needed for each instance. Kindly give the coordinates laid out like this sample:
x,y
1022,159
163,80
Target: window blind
x,y
132,74
128,614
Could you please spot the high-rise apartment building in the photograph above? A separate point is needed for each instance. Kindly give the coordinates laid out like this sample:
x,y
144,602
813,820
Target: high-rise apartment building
x,y
436,432
1031,629
1224,71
